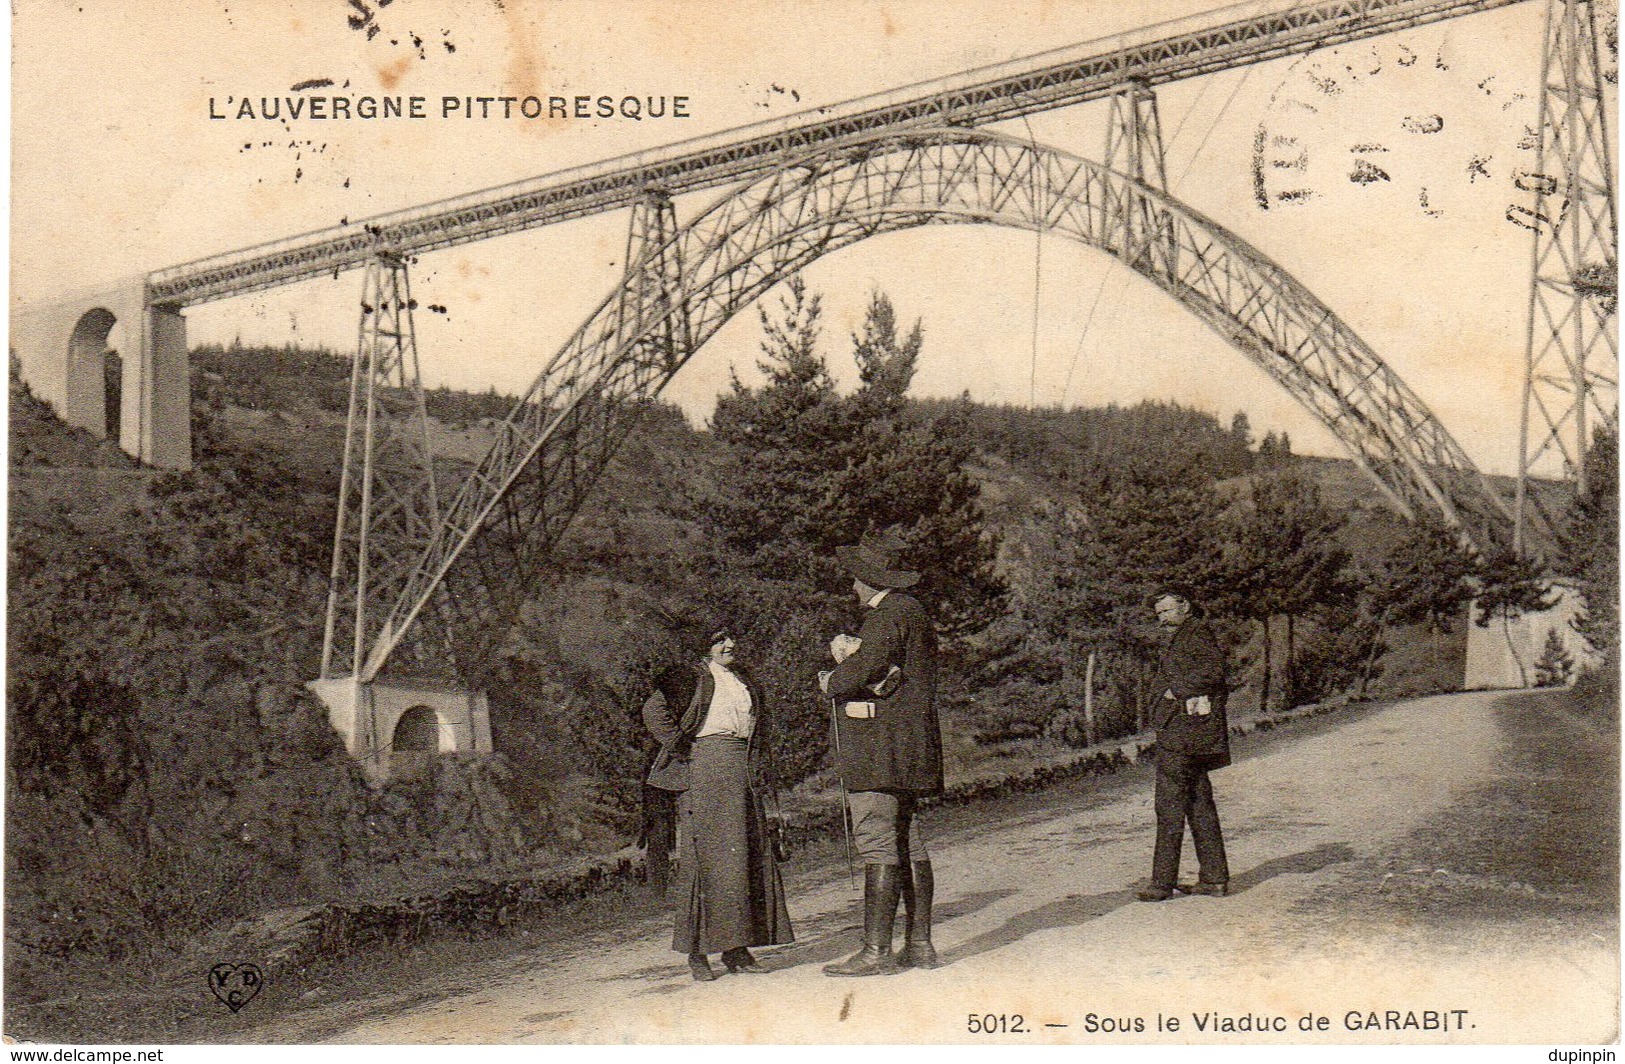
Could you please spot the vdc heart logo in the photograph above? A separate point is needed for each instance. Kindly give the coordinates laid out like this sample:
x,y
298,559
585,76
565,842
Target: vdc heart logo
x,y
236,984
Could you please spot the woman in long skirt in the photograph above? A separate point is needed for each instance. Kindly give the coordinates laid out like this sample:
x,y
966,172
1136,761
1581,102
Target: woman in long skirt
x,y
708,720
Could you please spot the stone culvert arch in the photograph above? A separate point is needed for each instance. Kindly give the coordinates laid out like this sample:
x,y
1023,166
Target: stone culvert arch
x,y
690,280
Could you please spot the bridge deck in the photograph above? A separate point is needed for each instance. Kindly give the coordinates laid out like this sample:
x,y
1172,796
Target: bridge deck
x,y
1251,32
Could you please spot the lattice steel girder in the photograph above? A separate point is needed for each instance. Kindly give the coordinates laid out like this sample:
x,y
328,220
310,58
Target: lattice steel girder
x,y
1572,352
1218,40
1134,148
566,428
388,510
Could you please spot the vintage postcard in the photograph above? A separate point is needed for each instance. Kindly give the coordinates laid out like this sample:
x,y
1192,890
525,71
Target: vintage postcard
x,y
877,521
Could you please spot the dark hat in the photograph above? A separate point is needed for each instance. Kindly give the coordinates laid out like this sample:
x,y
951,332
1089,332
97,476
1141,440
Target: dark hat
x,y
875,561
701,638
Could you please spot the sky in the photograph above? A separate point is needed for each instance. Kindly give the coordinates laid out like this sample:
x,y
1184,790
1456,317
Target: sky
x,y
118,169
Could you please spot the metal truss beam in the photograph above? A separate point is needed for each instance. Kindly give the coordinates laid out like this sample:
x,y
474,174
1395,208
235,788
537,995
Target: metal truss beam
x,y
508,514
1252,32
653,262
1571,379
648,322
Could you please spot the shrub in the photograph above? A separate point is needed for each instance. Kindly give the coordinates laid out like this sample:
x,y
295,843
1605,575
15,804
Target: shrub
x,y
1555,667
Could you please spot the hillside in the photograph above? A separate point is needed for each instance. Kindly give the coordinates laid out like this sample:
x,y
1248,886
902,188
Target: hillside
x,y
163,625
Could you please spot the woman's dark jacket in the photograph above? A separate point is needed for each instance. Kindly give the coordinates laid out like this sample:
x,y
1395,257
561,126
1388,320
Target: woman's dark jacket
x,y
675,712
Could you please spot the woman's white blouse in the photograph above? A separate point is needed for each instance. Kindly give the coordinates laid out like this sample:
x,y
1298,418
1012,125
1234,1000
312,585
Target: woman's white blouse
x,y
730,712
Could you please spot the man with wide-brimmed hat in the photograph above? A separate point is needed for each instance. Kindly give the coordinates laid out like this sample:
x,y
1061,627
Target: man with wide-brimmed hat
x,y
890,753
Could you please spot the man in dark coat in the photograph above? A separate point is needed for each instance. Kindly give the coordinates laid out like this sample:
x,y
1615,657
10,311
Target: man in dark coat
x,y
1193,737
890,753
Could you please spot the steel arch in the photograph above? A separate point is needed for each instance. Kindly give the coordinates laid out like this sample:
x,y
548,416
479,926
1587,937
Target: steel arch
x,y
550,450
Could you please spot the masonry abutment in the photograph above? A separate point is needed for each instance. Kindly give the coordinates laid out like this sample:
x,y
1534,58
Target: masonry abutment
x,y
386,718
63,349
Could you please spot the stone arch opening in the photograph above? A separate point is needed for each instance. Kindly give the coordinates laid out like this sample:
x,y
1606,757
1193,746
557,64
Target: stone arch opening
x,y
415,743
96,373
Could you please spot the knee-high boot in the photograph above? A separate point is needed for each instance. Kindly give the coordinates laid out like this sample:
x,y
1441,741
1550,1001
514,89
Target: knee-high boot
x,y
919,886
880,889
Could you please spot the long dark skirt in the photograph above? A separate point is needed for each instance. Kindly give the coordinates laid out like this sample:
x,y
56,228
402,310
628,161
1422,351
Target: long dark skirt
x,y
734,896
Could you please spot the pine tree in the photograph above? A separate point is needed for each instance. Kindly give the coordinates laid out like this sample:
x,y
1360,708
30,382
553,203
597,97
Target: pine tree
x,y
810,470
885,364
1425,579
1509,586
906,472
1556,665
783,440
1142,523
1285,562
1241,429
1269,448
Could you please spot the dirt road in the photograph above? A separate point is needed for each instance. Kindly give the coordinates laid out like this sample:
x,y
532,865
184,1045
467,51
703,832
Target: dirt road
x,y
1443,870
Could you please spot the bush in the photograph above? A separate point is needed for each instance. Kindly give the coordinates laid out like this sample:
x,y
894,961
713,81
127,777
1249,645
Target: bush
x,y
1555,667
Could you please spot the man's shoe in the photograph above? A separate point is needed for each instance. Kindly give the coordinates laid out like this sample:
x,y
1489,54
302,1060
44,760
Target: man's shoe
x,y
880,889
1155,893
1213,890
918,890
919,955
739,960
866,961
701,968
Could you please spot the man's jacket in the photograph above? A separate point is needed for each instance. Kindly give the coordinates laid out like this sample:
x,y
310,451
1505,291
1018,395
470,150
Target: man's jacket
x,y
1192,665
900,748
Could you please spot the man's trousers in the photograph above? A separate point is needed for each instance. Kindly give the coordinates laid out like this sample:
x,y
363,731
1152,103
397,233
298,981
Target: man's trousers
x,y
1183,795
884,828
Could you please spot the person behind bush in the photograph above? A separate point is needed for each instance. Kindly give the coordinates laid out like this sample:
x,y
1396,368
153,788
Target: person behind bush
x,y
711,725
659,834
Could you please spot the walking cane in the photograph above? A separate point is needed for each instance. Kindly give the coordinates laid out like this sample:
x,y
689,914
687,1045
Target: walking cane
x,y
846,810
